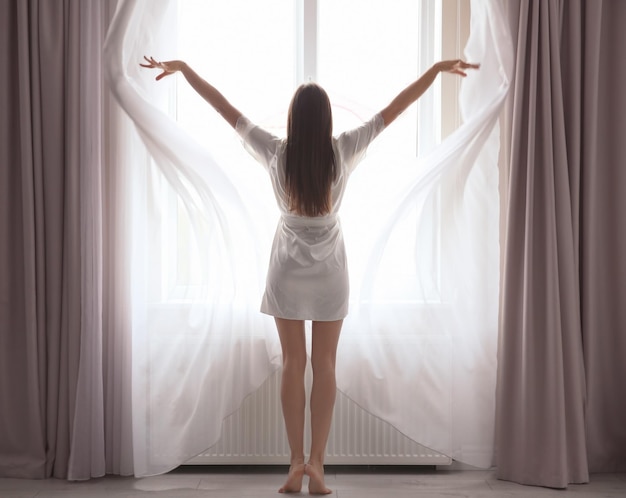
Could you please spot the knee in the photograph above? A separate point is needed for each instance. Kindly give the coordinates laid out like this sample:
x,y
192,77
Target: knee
x,y
295,364
323,364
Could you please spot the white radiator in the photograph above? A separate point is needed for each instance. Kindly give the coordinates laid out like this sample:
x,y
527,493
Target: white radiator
x,y
255,435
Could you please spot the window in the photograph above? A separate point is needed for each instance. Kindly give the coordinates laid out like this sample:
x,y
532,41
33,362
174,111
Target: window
x,y
363,53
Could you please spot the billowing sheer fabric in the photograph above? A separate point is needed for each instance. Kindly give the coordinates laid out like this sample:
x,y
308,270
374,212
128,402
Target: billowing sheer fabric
x,y
418,348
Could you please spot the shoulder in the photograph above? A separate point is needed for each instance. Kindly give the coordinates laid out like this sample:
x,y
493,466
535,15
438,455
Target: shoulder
x,y
259,142
245,128
360,137
366,131
352,144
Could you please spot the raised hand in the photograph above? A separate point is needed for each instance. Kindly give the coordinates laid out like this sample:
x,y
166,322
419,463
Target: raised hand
x,y
168,67
455,66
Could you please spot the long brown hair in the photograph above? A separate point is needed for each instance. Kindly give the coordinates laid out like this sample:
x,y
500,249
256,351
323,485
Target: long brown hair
x,y
310,160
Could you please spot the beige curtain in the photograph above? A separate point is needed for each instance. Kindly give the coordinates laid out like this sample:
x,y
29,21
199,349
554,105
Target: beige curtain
x,y
561,398
63,400
40,239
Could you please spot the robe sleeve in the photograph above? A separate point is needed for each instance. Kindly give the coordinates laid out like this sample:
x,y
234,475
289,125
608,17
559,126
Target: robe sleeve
x,y
261,144
353,144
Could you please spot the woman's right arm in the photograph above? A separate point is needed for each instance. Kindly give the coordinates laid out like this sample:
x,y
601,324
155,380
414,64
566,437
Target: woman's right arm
x,y
207,91
415,90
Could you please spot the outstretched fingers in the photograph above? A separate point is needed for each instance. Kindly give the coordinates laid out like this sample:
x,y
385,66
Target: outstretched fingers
x,y
460,66
151,63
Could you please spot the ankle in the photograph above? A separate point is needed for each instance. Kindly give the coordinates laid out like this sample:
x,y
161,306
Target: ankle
x,y
317,462
297,460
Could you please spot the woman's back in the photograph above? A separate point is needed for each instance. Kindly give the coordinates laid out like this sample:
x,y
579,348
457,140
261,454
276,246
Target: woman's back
x,y
270,151
307,278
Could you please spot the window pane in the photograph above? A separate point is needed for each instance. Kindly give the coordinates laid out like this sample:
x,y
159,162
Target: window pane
x,y
368,52
246,49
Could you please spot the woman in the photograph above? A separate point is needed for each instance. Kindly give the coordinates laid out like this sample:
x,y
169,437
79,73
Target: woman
x,y
307,277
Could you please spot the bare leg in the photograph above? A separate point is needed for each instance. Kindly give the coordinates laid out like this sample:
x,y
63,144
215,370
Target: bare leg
x,y
323,355
292,396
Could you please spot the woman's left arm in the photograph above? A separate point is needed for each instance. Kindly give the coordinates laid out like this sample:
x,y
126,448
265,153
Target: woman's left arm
x,y
207,91
415,90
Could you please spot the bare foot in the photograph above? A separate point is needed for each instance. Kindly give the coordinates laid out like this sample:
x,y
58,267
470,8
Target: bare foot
x,y
293,484
316,479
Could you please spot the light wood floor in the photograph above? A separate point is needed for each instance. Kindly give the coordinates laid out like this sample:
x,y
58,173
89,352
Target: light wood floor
x,y
345,483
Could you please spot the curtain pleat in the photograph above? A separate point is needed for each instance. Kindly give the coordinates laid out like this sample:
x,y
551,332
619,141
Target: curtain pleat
x,y
87,441
21,441
116,302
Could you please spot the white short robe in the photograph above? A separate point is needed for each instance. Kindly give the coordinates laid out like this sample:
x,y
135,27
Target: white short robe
x,y
307,278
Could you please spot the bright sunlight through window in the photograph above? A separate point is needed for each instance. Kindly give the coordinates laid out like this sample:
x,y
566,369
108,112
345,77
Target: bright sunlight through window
x,y
256,52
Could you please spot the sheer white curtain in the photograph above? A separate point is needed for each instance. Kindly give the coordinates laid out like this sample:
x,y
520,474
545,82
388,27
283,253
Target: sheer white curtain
x,y
418,348
197,352
420,352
